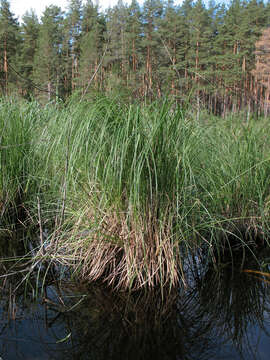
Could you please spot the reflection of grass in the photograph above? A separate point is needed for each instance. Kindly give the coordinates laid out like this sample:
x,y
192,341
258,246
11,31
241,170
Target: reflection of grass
x,y
109,325
234,301
217,307
265,276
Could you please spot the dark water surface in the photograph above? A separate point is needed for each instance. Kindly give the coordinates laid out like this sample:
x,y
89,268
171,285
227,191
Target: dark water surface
x,y
221,313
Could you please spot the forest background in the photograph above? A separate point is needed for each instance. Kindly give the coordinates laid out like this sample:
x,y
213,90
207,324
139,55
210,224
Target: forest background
x,y
216,57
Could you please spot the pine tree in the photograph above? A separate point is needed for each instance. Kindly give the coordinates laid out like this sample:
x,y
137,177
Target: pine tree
x,y
74,18
230,61
255,18
261,72
172,34
29,31
48,68
184,50
9,47
152,13
200,41
209,54
214,71
66,60
134,53
116,60
92,41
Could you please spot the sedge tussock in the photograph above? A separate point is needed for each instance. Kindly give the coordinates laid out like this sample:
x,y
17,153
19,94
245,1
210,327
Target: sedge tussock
x,y
128,191
134,255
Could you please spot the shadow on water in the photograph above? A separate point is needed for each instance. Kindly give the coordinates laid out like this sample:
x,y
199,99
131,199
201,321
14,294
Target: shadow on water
x,y
223,313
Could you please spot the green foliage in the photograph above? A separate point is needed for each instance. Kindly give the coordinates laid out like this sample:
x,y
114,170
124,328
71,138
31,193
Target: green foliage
x,y
91,48
18,167
9,47
30,30
145,52
152,177
145,184
48,54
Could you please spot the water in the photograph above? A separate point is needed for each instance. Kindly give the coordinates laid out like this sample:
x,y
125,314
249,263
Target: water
x,y
223,313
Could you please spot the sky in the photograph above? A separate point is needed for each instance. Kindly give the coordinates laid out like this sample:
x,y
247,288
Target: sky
x,y
19,7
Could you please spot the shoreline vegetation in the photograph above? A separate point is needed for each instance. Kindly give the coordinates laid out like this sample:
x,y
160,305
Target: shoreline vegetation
x,y
128,192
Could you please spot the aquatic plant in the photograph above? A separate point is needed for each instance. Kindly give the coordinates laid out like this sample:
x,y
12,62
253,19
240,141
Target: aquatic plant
x,y
17,130
127,192
148,184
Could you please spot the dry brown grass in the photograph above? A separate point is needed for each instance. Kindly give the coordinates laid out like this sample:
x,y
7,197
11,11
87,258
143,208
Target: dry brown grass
x,y
122,252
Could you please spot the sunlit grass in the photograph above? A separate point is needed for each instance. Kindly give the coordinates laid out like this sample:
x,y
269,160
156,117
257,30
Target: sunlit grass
x,y
129,190
18,124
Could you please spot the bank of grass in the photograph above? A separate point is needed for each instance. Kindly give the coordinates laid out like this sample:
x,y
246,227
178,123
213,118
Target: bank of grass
x,y
134,188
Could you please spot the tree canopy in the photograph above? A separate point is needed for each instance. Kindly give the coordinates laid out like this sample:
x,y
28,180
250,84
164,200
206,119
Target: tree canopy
x,y
210,55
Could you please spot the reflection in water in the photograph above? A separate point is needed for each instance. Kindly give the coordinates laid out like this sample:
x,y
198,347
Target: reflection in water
x,y
235,302
218,316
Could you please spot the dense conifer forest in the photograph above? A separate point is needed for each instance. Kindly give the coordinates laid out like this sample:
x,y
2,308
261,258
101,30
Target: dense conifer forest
x,y
214,57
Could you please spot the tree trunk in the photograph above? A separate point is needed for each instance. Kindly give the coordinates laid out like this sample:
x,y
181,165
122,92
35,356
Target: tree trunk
x,y
5,67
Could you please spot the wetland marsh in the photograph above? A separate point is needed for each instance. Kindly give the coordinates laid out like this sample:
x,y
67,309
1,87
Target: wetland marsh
x,y
161,221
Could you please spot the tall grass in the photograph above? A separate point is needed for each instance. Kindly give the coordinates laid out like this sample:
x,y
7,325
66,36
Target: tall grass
x,y
134,189
17,156
147,184
235,173
130,183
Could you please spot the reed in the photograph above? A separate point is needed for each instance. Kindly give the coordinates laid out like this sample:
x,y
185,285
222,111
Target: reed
x,y
131,190
234,176
17,156
123,173
148,184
